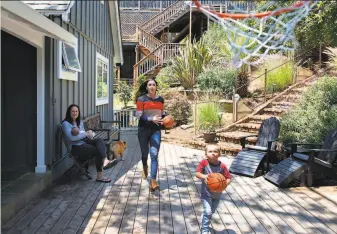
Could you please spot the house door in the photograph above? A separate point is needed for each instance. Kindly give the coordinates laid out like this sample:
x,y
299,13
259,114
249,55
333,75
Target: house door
x,y
18,107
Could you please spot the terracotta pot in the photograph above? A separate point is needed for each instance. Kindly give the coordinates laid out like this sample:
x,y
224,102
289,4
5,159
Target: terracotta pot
x,y
209,136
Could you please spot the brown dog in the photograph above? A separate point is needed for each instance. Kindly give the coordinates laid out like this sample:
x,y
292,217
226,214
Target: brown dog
x,y
117,149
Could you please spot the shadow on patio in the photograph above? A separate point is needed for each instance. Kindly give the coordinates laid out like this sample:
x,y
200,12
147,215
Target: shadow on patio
x,y
126,206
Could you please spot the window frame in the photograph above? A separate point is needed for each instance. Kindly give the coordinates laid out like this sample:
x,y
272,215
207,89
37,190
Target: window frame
x,y
104,60
65,57
64,73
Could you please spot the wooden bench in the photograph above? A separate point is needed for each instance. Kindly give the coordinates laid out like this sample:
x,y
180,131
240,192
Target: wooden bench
x,y
108,131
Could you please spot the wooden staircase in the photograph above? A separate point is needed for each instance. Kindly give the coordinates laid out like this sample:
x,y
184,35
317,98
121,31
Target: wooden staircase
x,y
249,125
156,52
229,137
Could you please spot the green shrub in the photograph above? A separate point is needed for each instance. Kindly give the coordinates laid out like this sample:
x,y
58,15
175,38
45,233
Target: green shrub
x,y
208,119
177,106
124,92
164,78
217,79
282,77
315,115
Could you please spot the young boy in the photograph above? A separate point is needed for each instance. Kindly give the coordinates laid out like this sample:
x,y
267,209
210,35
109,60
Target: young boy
x,y
210,200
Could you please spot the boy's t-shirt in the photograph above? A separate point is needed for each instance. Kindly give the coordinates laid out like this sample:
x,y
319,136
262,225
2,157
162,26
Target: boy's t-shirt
x,y
206,168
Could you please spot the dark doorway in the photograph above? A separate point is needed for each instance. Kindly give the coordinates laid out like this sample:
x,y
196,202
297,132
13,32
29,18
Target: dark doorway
x,y
18,107
129,55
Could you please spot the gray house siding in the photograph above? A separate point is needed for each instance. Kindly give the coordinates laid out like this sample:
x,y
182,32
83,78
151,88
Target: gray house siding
x,y
90,23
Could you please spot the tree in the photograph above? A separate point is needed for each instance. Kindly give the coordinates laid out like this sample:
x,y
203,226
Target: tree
x,y
125,92
318,29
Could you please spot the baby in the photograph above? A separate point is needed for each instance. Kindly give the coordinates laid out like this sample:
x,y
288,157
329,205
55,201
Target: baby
x,y
75,131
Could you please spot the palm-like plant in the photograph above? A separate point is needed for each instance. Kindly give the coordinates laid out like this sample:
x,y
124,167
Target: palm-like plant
x,y
332,53
193,59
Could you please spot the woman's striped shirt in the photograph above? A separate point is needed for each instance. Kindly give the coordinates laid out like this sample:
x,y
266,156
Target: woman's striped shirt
x,y
147,108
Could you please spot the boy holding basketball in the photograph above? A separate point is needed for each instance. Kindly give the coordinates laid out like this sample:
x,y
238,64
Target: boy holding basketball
x,y
210,200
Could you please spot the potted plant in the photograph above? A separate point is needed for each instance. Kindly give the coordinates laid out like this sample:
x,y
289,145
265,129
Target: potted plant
x,y
208,120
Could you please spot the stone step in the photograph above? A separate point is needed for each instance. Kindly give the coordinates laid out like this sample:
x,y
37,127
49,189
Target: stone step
x,y
299,90
274,111
291,97
234,137
226,148
290,104
248,127
258,119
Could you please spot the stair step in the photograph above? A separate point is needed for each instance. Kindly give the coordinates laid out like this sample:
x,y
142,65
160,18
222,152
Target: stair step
x,y
293,97
248,127
234,137
273,110
225,147
283,103
281,107
259,117
300,90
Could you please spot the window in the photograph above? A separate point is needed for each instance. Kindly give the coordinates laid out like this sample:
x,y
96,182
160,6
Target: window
x,y
102,2
102,80
70,58
67,62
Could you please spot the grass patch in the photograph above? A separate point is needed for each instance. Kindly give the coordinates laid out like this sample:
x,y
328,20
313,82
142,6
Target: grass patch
x,y
208,119
280,78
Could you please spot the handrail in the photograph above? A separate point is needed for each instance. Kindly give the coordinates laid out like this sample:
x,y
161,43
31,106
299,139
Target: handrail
x,y
147,40
163,16
162,13
156,58
147,56
154,51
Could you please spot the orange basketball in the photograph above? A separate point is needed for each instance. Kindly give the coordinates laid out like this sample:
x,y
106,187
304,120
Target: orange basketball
x,y
168,121
216,182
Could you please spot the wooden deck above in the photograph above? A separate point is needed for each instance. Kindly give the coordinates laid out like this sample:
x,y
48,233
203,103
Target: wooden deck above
x,y
126,206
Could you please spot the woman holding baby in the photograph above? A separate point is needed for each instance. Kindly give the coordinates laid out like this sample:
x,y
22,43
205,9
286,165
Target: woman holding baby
x,y
82,143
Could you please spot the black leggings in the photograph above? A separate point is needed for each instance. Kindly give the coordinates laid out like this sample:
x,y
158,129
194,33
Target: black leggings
x,y
93,148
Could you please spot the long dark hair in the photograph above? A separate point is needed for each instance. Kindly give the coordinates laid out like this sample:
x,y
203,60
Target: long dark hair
x,y
68,115
142,88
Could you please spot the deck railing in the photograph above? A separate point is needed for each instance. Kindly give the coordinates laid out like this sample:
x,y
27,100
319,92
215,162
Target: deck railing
x,y
127,117
156,58
147,40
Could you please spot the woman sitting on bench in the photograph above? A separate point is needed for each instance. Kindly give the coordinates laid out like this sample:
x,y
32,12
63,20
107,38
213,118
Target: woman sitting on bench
x,y
82,144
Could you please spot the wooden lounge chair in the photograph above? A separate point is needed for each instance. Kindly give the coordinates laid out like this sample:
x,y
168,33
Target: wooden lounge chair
x,y
252,159
305,168
79,165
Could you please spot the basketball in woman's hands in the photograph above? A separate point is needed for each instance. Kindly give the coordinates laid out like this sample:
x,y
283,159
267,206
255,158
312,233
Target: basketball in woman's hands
x,y
168,121
216,182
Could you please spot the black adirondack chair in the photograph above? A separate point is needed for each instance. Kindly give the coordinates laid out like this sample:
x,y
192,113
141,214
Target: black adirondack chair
x,y
252,159
320,162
